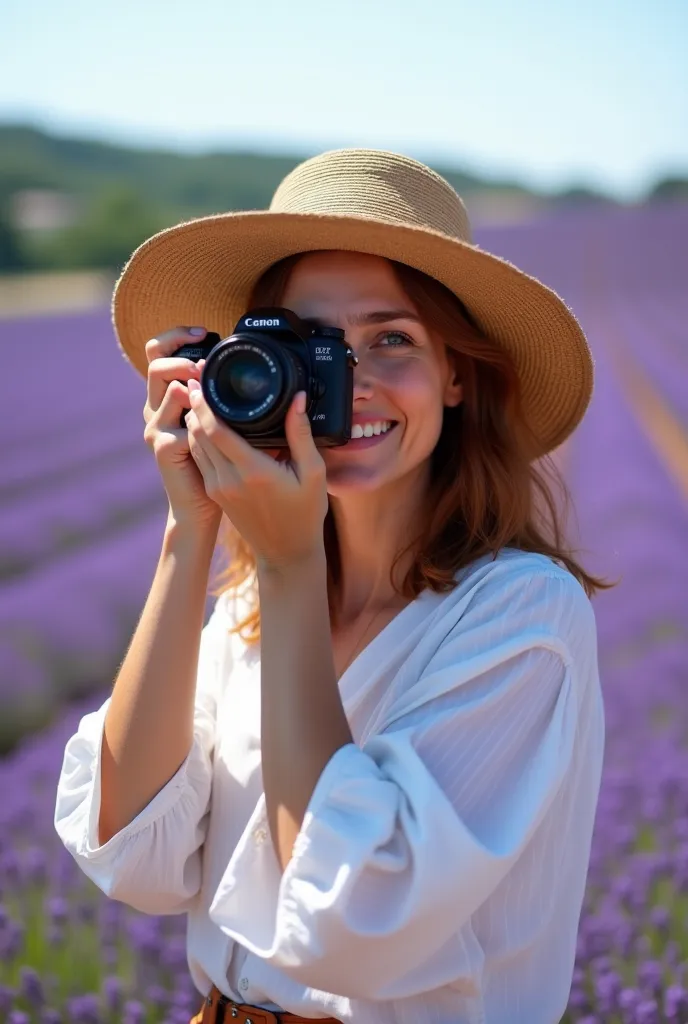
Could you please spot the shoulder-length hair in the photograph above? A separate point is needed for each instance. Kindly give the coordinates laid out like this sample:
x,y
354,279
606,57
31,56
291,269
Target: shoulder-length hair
x,y
487,491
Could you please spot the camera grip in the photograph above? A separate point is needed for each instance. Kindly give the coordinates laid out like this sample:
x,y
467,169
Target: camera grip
x,y
196,350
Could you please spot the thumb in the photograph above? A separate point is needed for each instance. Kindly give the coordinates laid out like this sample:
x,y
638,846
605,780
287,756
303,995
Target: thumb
x,y
298,431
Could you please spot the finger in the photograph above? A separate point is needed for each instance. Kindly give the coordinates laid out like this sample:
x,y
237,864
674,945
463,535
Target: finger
x,y
304,453
204,462
161,374
168,415
212,463
231,445
277,454
169,341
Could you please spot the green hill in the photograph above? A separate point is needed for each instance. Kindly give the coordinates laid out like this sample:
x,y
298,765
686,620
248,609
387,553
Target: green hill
x,y
74,203
33,159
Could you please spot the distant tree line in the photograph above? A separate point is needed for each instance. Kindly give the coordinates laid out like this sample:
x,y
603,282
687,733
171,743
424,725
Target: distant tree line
x,y
123,195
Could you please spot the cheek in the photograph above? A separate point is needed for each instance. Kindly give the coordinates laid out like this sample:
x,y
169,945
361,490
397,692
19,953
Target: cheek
x,y
416,389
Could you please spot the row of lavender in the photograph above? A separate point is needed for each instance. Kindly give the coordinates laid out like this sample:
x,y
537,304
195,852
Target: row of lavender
x,y
80,502
633,519
68,954
80,515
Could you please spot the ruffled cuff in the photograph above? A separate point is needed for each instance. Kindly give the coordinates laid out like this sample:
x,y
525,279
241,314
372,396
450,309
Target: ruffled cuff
x,y
149,855
192,771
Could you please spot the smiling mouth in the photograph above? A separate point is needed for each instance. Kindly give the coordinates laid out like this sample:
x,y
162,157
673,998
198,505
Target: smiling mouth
x,y
369,440
372,429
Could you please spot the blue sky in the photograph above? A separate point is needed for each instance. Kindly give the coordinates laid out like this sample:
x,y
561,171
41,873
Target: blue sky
x,y
550,92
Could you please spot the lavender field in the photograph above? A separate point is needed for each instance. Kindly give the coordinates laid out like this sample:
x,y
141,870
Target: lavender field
x,y
81,518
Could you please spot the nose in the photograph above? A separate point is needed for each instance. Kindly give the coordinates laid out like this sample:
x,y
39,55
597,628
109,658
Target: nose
x,y
363,381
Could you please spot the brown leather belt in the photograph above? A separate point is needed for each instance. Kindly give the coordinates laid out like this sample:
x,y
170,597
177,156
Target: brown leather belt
x,y
220,1009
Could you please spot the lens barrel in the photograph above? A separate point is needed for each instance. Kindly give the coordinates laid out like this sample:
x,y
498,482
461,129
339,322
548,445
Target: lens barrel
x,y
249,380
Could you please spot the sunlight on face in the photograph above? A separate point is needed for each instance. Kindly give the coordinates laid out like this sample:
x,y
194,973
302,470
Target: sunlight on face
x,y
403,375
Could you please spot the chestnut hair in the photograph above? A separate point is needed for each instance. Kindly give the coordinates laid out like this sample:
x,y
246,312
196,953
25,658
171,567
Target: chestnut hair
x,y
487,490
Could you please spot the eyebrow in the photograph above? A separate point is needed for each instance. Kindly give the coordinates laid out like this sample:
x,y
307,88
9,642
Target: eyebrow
x,y
378,316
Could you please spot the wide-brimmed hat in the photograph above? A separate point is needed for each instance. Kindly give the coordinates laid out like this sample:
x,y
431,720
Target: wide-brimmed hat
x,y
202,271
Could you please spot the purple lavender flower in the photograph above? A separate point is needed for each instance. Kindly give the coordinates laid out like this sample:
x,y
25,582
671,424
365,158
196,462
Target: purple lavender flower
x,y
31,986
35,865
84,1009
134,1012
57,909
10,871
629,1000
647,1012
157,996
85,912
650,976
608,988
676,1004
11,941
660,918
50,1016
55,935
178,1015
579,1000
7,996
631,518
113,993
173,953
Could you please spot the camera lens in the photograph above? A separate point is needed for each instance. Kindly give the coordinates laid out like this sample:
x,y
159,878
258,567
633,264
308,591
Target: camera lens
x,y
250,380
245,379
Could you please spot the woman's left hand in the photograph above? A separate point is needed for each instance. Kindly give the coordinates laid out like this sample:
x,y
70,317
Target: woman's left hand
x,y
277,505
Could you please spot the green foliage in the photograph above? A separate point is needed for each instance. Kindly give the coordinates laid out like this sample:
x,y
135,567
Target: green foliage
x,y
12,253
117,220
185,184
127,194
11,250
671,188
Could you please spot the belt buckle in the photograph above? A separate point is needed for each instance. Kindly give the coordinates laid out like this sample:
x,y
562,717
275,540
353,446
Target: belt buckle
x,y
221,1016
222,1002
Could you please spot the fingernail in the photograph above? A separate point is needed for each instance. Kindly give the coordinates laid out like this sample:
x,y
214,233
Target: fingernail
x,y
197,331
300,402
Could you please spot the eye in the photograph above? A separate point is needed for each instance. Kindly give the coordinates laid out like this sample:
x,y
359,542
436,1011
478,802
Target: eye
x,y
399,339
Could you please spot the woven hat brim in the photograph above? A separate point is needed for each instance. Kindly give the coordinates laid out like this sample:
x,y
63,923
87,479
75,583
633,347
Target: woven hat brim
x,y
203,271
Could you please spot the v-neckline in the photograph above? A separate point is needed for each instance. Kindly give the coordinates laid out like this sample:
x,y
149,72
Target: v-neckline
x,y
366,654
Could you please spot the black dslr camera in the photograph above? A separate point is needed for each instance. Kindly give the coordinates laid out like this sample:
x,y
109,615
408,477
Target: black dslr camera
x,y
250,378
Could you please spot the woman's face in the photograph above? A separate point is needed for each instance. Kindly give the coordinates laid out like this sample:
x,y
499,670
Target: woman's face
x,y
403,377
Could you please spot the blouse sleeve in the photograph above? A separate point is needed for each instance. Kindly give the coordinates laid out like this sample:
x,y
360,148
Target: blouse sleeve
x,y
405,837
153,863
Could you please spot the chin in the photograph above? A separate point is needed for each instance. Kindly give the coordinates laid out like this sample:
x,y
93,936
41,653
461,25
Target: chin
x,y
357,478
360,478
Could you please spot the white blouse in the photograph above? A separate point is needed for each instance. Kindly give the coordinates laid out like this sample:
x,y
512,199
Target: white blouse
x,y
440,869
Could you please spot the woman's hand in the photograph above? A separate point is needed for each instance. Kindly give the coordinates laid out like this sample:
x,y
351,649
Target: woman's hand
x,y
167,398
277,505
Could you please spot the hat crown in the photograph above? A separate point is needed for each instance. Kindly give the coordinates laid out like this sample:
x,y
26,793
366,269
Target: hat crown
x,y
374,184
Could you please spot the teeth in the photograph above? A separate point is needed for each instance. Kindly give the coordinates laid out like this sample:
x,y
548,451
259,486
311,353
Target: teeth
x,y
368,429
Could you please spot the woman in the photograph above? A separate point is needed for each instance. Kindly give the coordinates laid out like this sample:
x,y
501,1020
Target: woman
x,y
383,811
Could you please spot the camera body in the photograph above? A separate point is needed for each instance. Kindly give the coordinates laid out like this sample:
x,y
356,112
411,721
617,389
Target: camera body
x,y
250,378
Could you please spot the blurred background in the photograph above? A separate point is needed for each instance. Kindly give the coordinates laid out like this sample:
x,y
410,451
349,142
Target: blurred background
x,y
564,128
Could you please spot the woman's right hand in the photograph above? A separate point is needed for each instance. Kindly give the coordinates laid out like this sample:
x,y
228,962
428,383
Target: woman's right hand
x,y
167,399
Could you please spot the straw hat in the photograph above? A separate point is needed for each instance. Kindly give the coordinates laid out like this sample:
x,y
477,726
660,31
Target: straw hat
x,y
372,201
